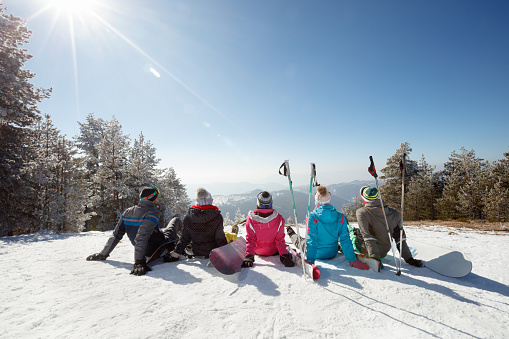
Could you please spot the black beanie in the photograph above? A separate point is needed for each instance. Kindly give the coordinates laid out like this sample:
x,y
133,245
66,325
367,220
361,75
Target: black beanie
x,y
149,193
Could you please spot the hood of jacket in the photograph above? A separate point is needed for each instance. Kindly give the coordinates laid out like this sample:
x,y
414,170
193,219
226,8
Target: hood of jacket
x,y
200,216
326,214
263,220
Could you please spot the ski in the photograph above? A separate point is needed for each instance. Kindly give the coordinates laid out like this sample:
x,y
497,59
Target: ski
x,y
311,270
286,172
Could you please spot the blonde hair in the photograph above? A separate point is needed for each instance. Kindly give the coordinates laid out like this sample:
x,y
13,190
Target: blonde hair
x,y
322,190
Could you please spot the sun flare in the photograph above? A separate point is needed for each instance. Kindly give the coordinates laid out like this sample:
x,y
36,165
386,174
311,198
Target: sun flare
x,y
73,6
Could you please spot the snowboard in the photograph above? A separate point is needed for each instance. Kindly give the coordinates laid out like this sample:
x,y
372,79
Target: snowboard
x,y
161,250
372,263
446,262
228,259
309,266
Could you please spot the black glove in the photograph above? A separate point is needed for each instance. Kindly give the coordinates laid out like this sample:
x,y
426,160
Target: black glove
x,y
140,267
248,261
414,262
96,257
286,259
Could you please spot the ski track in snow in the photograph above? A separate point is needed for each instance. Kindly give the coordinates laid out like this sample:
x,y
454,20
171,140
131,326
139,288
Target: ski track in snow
x,y
50,291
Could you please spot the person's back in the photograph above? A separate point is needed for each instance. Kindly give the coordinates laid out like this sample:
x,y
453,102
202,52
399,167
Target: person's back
x,y
325,227
202,227
373,227
265,232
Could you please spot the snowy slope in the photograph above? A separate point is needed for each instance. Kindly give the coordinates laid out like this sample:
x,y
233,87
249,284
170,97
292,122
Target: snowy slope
x,y
50,291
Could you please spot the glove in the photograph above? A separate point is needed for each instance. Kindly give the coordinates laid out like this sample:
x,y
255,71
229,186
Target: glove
x,y
172,257
414,262
248,261
286,259
140,267
359,264
97,257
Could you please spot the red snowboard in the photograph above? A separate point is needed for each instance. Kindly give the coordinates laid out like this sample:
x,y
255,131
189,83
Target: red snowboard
x,y
228,259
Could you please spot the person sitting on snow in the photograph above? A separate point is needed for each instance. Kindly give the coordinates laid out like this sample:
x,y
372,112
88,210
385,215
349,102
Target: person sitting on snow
x,y
141,222
373,239
265,229
326,227
203,228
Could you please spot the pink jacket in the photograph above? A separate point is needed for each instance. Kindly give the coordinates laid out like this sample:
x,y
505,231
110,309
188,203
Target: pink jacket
x,y
265,235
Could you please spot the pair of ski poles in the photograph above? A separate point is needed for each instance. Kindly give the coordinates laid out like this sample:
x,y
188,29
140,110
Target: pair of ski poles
x,y
312,183
372,171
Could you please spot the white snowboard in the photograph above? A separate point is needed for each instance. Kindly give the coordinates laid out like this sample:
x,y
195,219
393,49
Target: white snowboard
x,y
443,261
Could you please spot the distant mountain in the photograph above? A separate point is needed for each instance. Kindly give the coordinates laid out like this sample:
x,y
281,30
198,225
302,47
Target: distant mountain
x,y
223,188
282,201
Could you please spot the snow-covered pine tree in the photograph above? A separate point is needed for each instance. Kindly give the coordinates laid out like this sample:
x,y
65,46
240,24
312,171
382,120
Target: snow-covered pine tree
x,y
58,191
227,220
113,149
173,199
391,189
239,216
497,200
465,180
141,167
350,208
104,150
421,194
18,112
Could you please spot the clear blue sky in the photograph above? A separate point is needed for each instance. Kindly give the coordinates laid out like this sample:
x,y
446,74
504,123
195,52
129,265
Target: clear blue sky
x,y
227,90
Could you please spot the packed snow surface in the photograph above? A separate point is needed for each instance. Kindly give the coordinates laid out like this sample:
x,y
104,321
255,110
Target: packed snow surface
x,y
51,291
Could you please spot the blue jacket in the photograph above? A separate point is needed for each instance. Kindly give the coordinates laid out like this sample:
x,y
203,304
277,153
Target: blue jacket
x,y
326,227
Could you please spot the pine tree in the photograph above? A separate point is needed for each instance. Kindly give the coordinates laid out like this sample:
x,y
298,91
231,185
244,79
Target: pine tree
x,y
227,220
109,178
466,179
350,208
391,189
173,200
18,112
239,216
421,194
141,167
104,150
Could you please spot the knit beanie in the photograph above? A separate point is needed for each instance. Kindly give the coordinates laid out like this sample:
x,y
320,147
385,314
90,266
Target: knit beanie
x,y
203,197
369,194
322,196
264,200
149,193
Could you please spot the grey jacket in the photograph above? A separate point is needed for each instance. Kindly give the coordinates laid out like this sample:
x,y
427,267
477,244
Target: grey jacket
x,y
141,225
374,230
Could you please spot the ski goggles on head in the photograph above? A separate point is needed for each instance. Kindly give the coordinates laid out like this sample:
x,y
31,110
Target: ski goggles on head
x,y
154,194
263,207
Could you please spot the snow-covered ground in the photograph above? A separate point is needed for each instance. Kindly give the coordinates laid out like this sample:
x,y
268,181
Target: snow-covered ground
x,y
50,291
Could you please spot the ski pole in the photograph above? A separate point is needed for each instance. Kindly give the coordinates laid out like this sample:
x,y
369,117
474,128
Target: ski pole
x,y
312,183
372,171
402,167
286,172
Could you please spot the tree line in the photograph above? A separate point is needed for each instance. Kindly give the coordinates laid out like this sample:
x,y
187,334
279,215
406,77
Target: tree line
x,y
50,182
467,188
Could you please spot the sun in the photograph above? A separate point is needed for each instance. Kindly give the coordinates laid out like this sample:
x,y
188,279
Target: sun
x,y
73,6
